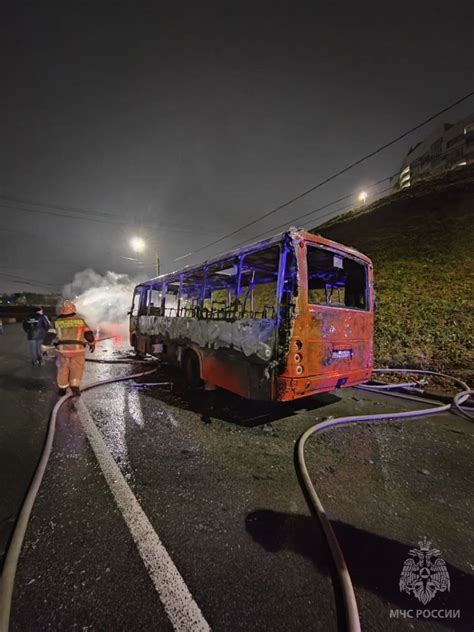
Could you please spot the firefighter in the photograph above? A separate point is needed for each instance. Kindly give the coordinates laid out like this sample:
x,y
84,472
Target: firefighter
x,y
70,337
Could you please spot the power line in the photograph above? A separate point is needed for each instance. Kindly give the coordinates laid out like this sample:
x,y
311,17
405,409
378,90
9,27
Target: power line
x,y
319,218
62,215
341,199
332,177
74,209
25,281
42,211
315,210
344,207
335,212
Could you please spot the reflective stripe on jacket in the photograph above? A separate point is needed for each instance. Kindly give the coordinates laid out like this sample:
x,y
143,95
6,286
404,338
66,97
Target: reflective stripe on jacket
x,y
70,328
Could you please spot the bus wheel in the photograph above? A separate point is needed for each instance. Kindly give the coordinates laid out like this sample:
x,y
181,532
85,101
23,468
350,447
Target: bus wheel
x,y
191,369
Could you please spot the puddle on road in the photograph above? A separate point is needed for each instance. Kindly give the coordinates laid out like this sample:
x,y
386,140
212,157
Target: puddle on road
x,y
113,406
116,410
133,407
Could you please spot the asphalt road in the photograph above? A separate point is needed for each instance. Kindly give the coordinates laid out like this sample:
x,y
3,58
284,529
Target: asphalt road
x,y
214,476
27,394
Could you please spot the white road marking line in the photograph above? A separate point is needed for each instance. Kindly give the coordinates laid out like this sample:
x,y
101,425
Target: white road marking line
x,y
182,610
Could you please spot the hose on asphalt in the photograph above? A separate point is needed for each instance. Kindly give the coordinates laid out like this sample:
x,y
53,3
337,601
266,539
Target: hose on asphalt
x,y
350,604
456,380
348,594
456,406
123,361
7,579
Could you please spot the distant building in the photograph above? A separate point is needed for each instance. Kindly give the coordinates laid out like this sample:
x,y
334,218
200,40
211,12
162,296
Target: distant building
x,y
448,147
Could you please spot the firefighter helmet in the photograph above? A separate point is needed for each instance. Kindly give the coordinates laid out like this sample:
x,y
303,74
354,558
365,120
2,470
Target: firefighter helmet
x,y
68,307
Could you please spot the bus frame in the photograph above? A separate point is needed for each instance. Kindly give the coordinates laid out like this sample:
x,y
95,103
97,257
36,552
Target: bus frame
x,y
282,351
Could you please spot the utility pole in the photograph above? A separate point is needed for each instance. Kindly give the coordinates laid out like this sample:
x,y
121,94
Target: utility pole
x,y
157,265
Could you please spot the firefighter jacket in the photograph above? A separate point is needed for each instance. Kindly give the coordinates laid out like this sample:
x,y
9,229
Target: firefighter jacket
x,y
70,335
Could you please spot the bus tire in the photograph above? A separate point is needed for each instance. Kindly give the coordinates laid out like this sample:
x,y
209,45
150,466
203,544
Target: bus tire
x,y
191,369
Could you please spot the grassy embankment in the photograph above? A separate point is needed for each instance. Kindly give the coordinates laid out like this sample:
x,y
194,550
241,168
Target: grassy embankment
x,y
421,242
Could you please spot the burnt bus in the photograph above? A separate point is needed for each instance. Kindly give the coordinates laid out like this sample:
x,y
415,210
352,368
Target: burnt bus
x,y
283,318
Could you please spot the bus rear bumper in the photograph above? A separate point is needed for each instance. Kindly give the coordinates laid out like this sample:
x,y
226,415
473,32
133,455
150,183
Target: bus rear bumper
x,y
290,388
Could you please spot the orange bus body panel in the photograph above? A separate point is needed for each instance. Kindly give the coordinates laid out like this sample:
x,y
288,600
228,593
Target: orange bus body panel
x,y
335,344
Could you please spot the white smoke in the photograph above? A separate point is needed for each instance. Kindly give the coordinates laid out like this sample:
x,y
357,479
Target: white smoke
x,y
103,301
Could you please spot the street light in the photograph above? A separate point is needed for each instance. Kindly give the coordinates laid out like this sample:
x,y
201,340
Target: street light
x,y
363,195
138,245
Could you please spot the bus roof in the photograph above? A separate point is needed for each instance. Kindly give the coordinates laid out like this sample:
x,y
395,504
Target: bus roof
x,y
294,234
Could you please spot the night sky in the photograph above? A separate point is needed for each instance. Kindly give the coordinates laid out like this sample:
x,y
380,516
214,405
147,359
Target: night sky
x,y
182,122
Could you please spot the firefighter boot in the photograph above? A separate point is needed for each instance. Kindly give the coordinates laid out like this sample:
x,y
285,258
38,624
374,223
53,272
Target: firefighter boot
x,y
76,391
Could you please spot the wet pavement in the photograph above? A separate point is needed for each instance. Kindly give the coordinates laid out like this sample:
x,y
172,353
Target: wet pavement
x,y
215,476
27,395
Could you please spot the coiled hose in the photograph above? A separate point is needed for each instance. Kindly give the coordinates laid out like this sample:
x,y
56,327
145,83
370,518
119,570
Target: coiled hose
x,y
347,588
11,560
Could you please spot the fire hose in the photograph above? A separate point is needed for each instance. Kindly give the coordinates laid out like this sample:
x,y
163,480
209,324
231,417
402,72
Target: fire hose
x,y
11,560
456,406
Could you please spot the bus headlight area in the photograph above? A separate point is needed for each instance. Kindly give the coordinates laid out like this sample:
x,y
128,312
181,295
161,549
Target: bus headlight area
x,y
240,321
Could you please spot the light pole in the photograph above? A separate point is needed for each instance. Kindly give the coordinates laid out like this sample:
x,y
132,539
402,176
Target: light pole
x,y
157,265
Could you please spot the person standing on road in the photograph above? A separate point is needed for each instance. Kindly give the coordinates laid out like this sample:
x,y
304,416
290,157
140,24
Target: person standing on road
x,y
36,327
70,336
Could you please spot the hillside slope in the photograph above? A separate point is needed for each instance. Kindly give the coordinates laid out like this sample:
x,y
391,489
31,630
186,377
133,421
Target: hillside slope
x,y
421,242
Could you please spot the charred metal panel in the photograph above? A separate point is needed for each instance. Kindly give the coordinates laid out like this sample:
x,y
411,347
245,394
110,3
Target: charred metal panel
x,y
233,371
233,355
251,337
338,340
290,308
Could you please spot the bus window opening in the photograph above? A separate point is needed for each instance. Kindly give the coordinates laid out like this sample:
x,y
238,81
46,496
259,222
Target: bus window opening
x,y
259,283
335,279
155,300
190,294
220,290
171,298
